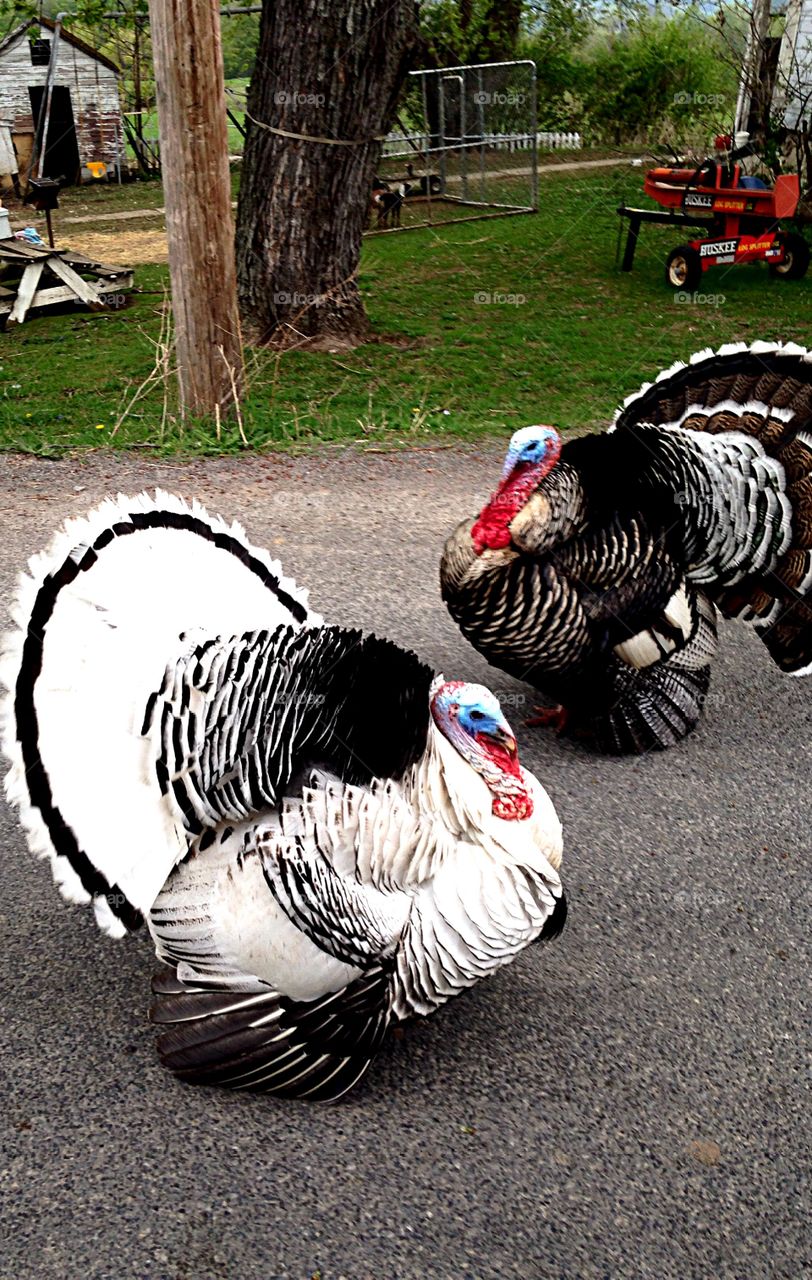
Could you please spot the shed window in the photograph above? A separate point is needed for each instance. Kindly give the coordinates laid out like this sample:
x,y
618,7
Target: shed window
x,y
40,53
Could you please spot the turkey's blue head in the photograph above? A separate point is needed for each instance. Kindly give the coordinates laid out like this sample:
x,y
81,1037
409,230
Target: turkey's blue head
x,y
532,454
470,717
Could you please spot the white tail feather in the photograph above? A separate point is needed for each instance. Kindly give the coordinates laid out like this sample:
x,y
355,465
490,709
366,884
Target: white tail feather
x,y
113,628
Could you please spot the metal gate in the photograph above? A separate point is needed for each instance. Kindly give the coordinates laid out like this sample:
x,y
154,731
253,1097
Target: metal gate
x,y
467,145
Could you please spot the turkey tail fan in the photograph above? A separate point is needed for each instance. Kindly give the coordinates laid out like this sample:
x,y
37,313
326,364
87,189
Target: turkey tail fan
x,y
736,381
263,1042
98,617
655,706
764,391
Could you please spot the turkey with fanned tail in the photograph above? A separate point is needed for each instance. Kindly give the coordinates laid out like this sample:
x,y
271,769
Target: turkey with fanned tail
x,y
596,569
321,835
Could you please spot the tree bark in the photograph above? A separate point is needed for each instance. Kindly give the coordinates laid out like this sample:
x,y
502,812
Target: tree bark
x,y
197,194
329,69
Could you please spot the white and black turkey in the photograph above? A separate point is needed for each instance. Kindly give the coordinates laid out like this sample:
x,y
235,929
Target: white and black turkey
x,y
321,836
596,569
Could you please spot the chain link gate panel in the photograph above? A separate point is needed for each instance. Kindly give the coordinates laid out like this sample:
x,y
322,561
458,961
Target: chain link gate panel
x,y
467,147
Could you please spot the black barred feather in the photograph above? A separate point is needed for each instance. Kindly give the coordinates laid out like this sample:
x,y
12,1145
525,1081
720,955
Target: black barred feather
x,y
110,596
265,1043
737,375
699,498
331,909
763,392
655,707
238,719
556,922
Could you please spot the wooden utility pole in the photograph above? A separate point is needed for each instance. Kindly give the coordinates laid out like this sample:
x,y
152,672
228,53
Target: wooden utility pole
x,y
190,91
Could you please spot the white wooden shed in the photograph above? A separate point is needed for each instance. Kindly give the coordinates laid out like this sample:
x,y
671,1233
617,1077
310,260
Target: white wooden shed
x,y
85,118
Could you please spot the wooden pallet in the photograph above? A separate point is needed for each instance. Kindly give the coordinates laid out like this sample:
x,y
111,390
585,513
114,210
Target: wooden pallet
x,y
35,276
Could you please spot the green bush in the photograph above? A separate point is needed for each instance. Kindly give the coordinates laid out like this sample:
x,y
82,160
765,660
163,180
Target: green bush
x,y
649,79
554,42
240,40
659,78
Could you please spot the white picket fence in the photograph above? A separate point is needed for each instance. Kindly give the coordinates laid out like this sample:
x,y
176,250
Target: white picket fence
x,y
398,144
559,141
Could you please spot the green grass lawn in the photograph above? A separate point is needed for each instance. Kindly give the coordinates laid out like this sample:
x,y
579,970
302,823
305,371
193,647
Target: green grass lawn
x,y
97,198
481,327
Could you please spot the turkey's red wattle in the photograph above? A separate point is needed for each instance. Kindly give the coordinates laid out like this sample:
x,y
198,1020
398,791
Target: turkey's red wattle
x,y
491,530
513,808
506,761
511,799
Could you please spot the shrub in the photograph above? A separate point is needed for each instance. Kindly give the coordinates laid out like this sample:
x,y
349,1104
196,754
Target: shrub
x,y
658,77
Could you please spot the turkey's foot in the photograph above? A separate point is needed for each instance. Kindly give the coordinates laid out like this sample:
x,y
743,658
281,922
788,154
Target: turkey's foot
x,y
551,717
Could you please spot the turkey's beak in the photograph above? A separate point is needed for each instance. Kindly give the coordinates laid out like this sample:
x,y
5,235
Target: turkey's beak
x,y
505,739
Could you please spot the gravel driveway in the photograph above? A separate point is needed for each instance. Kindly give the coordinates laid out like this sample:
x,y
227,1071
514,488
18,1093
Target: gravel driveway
x,y
632,1101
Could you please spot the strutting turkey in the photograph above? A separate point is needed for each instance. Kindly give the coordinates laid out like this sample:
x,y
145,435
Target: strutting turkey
x,y
321,836
596,570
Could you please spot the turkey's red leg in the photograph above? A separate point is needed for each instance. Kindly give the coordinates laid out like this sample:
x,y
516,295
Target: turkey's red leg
x,y
553,717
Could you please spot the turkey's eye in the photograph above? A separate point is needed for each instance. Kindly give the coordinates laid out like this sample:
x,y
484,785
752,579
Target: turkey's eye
x,y
477,715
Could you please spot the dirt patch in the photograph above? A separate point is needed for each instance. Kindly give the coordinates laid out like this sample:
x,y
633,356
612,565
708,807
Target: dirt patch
x,y
120,248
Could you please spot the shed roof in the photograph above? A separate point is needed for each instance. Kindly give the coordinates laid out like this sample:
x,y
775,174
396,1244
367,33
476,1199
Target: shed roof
x,y
67,36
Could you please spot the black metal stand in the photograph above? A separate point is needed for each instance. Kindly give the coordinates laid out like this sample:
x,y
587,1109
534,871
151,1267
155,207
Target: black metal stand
x,y
638,216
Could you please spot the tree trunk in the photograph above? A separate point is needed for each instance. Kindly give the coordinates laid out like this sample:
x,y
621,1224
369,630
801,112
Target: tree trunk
x,y
501,28
197,193
750,84
329,69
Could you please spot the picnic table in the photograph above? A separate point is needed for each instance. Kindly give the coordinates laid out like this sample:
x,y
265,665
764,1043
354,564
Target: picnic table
x,y
33,276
